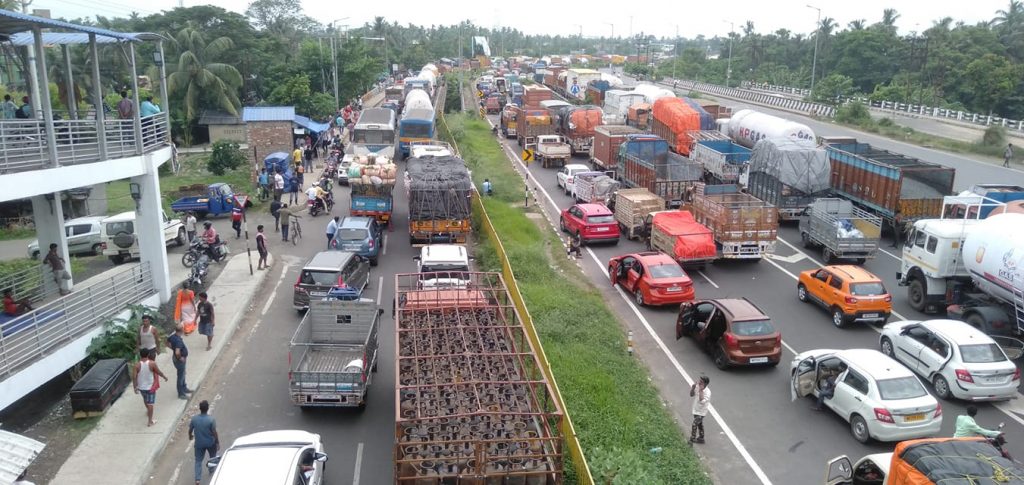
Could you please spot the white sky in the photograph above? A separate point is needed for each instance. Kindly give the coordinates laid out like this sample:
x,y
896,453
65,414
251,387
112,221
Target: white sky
x,y
658,17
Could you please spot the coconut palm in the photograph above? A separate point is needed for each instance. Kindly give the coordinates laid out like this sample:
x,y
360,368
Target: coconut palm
x,y
858,24
203,81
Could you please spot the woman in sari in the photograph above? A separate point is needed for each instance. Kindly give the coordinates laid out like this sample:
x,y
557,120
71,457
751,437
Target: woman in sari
x,y
185,309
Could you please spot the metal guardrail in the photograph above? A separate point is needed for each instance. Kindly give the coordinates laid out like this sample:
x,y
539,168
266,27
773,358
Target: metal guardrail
x,y
24,147
38,333
34,283
813,109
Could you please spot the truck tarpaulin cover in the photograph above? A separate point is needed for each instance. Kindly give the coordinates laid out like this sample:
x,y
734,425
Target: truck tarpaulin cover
x,y
580,122
944,461
796,163
707,121
693,239
678,117
439,188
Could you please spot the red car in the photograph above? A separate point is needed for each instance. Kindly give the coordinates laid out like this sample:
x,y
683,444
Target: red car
x,y
653,277
592,222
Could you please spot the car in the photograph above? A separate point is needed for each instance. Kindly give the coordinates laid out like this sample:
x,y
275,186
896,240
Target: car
x,y
959,360
279,457
83,235
327,270
361,235
850,294
591,222
120,243
653,277
878,396
564,177
732,330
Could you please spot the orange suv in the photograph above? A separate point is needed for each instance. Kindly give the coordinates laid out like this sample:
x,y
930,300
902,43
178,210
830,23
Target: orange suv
x,y
849,293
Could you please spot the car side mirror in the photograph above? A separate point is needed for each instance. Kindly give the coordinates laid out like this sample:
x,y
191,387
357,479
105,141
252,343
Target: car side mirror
x,y
322,457
905,331
839,471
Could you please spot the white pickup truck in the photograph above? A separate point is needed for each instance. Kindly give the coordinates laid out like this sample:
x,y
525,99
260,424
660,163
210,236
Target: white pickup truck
x,y
120,243
552,151
436,259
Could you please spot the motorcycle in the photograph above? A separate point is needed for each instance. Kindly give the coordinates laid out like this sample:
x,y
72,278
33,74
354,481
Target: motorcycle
x,y
316,206
199,272
198,249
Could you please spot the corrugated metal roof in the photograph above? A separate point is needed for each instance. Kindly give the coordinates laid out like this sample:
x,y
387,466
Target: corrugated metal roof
x,y
216,117
74,38
310,124
14,22
268,113
16,454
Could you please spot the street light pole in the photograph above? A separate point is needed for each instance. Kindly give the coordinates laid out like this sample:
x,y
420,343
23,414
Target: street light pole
x,y
817,33
334,62
728,65
675,53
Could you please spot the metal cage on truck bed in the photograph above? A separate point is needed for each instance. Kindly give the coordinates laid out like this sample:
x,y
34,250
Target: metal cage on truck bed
x,y
472,405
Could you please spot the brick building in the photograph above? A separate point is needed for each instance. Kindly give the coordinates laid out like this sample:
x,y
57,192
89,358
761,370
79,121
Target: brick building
x,y
269,129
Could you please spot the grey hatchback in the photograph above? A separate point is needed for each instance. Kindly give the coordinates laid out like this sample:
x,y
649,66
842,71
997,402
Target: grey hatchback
x,y
361,235
326,270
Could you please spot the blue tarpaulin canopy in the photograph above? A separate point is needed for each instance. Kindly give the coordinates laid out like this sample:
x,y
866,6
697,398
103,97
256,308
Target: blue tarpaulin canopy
x,y
311,125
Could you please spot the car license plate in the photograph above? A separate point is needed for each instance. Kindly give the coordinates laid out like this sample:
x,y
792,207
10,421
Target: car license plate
x,y
675,288
913,418
318,293
601,229
870,315
352,248
759,360
325,397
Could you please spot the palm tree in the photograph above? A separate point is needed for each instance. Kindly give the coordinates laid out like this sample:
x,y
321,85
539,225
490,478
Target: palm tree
x,y
203,81
858,24
1012,17
827,26
889,17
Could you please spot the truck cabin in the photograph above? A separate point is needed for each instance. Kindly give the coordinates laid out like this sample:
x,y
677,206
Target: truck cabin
x,y
394,93
443,266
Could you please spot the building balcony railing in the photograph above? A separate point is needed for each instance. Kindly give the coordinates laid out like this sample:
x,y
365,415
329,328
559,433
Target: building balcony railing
x,y
24,145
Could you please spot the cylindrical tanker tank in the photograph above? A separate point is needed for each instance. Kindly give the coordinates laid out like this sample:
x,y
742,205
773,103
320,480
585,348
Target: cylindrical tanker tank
x,y
417,99
994,256
747,126
430,67
652,93
429,76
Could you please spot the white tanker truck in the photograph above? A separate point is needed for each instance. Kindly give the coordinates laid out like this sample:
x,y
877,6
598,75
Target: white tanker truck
x,y
747,126
971,268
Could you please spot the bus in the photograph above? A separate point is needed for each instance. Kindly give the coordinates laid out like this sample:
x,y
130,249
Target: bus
x,y
417,125
375,133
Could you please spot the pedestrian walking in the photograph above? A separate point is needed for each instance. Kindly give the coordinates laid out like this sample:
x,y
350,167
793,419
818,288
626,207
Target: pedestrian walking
x,y
206,319
307,158
701,400
9,108
179,354
145,382
1008,155
300,174
25,111
236,221
275,210
278,186
332,227
149,336
185,309
297,154
263,181
125,107
284,214
190,226
293,190
60,275
261,247
203,430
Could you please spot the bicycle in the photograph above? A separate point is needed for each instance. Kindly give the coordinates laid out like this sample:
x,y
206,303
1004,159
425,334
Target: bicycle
x,y
262,192
296,230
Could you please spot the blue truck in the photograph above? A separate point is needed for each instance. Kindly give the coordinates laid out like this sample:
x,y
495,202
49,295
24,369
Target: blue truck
x,y
372,200
725,162
218,199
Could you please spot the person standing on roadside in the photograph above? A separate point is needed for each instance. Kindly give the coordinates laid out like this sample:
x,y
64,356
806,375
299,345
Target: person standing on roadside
x,y
149,336
9,108
1008,155
293,189
145,382
701,400
275,210
60,275
179,354
203,429
284,214
278,185
206,319
297,154
125,107
190,226
261,247
332,227
236,221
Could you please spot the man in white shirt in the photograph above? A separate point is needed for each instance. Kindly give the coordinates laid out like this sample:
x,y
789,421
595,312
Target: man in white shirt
x,y
278,186
701,400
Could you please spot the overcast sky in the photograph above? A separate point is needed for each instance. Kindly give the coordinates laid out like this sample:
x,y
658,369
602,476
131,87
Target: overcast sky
x,y
658,17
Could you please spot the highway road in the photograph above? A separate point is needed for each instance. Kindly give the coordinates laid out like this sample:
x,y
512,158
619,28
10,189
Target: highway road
x,y
761,436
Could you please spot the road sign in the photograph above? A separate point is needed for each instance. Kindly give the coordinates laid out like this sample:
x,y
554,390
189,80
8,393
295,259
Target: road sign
x,y
527,155
483,113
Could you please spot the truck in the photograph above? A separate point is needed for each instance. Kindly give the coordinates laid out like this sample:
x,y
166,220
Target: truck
x,y
443,266
898,188
577,80
1011,195
552,151
507,122
639,116
724,162
531,123
616,104
577,125
968,267
631,209
493,103
677,234
841,229
595,187
788,174
645,161
607,139
928,461
333,354
219,199
673,119
372,180
534,94
439,190
745,227
748,126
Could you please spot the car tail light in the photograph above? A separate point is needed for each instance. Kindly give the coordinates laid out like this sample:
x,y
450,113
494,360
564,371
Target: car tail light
x,y
298,283
883,415
372,244
938,410
341,283
888,298
851,300
1016,374
730,339
964,375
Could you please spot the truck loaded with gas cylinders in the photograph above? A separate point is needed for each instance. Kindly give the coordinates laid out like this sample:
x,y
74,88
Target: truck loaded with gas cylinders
x,y
439,191
971,268
552,151
372,180
788,174
724,162
841,229
631,209
745,227
577,125
645,161
677,234
532,123
607,139
333,354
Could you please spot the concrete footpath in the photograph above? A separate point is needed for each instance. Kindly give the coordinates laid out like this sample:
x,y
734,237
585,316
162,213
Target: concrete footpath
x,y
121,448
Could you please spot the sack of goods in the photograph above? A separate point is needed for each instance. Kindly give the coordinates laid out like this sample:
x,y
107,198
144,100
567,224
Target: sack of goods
x,y
845,229
371,171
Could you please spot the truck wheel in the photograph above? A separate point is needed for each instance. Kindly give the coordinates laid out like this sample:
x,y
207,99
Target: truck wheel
x,y
916,296
806,240
826,255
977,321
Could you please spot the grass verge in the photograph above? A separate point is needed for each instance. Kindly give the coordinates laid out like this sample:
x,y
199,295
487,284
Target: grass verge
x,y
193,171
9,233
626,432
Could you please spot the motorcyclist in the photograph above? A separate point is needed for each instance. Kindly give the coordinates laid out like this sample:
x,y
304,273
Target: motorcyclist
x,y
316,195
210,240
966,426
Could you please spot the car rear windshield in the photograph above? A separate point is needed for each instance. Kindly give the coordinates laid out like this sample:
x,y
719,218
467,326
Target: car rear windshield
x,y
319,278
443,267
980,353
752,328
115,228
351,234
867,289
608,219
666,271
900,388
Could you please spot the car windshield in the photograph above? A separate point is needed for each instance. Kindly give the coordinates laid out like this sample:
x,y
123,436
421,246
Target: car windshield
x,y
900,388
608,219
752,328
114,228
980,353
443,267
666,270
319,278
351,234
867,289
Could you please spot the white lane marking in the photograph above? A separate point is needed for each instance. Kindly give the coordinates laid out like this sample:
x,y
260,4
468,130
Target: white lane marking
x,y
689,381
897,258
270,301
234,364
384,250
1012,408
380,288
174,476
784,344
359,464
708,279
791,259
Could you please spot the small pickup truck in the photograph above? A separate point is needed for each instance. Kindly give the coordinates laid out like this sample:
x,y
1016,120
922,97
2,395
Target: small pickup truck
x,y
219,199
841,229
552,151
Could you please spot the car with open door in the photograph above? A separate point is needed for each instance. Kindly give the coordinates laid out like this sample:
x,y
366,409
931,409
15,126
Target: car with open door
x,y
732,330
652,277
878,396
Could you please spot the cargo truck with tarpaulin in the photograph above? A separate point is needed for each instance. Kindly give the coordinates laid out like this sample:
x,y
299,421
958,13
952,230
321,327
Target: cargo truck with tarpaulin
x,y
745,227
607,139
577,125
677,234
645,161
788,174
724,162
595,187
507,122
531,123
673,120
439,192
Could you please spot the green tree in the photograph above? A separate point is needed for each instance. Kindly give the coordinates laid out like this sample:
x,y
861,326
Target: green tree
x,y
226,155
832,87
991,79
203,83
292,92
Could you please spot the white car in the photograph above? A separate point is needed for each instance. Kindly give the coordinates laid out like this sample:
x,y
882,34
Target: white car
x,y
879,397
959,360
120,243
565,176
282,457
